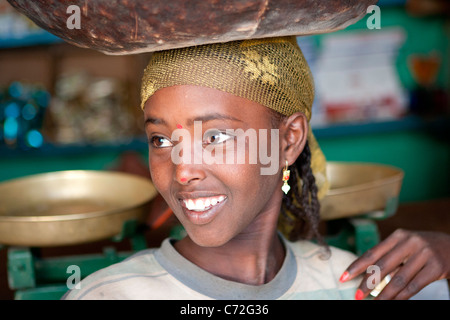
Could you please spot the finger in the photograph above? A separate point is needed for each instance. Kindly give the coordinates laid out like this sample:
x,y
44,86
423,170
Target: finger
x,y
373,282
387,264
424,277
403,277
370,257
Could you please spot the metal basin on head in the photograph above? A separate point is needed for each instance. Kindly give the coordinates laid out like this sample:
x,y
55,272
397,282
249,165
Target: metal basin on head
x,y
127,27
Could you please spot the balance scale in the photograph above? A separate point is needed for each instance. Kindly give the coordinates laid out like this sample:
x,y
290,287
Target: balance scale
x,y
68,208
78,207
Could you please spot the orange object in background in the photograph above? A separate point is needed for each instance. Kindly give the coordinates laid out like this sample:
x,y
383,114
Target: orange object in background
x,y
425,68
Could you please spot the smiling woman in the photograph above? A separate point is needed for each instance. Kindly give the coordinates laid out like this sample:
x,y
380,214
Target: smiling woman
x,y
246,238
231,100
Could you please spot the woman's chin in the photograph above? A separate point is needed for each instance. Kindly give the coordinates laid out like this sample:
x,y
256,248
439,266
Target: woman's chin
x,y
208,239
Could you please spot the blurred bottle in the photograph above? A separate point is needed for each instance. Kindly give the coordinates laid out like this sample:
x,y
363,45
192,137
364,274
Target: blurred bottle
x,y
427,98
22,111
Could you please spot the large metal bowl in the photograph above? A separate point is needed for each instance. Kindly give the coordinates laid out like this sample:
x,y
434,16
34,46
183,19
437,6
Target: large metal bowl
x,y
70,207
126,27
360,188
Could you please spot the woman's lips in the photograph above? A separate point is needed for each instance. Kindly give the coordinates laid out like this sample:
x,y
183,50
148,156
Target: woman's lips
x,y
202,204
202,210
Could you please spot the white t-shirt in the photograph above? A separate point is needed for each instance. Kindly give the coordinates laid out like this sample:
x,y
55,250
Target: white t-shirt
x,y
163,273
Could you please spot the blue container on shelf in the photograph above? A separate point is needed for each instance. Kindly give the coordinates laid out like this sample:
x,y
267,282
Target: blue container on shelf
x,y
22,111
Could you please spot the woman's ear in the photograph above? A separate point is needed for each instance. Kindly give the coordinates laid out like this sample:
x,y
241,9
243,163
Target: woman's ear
x,y
293,136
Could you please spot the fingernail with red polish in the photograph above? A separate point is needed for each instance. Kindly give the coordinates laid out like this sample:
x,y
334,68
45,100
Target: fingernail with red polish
x,y
344,277
359,294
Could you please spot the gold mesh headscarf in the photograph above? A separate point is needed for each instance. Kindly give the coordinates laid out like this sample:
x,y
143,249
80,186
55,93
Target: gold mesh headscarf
x,y
272,72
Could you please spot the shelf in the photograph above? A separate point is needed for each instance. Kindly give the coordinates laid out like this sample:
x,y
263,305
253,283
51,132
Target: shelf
x,y
387,3
410,122
347,129
41,38
49,150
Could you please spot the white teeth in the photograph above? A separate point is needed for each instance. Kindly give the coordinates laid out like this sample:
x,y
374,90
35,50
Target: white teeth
x,y
199,205
202,204
189,204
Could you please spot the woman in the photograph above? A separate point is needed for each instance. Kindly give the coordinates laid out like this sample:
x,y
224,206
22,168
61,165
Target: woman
x,y
210,111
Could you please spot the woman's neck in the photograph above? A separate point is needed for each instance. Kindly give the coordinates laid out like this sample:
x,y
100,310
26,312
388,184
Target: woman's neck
x,y
252,257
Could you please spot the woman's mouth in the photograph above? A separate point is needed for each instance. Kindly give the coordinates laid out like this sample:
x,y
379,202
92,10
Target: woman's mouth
x,y
203,209
202,204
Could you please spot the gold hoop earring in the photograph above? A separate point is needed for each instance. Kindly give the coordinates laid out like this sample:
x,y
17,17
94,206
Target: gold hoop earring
x,y
286,174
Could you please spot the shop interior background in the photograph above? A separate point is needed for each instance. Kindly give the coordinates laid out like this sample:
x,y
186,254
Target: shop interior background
x,y
382,96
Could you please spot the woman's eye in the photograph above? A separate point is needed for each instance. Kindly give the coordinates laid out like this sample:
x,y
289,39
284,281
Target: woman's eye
x,y
216,137
160,142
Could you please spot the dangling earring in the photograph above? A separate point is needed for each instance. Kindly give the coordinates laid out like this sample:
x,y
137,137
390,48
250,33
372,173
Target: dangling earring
x,y
286,174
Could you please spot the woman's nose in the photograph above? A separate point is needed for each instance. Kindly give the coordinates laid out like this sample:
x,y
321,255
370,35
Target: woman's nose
x,y
189,173
189,167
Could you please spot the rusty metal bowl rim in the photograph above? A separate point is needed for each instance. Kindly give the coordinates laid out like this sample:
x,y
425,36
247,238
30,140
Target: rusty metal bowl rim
x,y
146,26
367,185
75,216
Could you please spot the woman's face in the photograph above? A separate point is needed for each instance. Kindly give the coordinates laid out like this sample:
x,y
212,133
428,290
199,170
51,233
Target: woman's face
x,y
220,199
